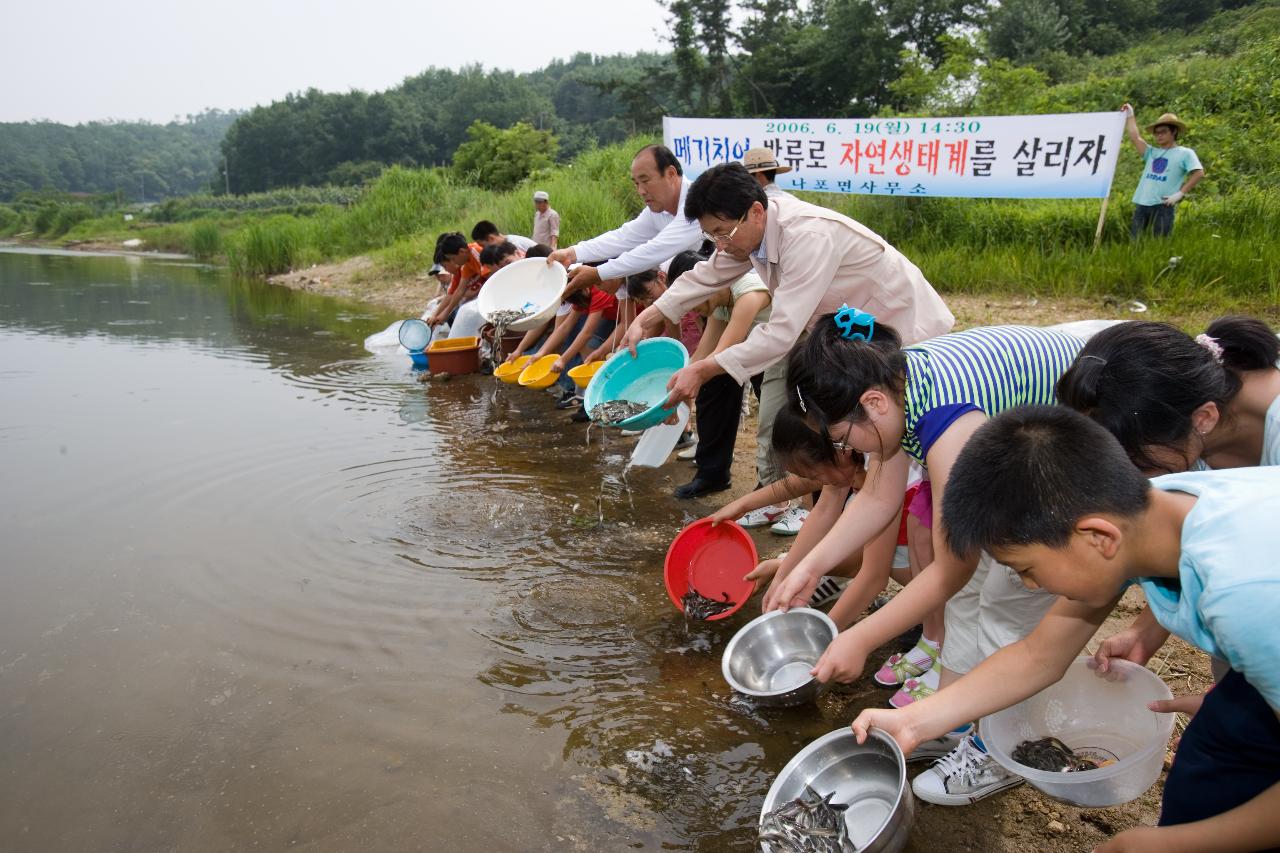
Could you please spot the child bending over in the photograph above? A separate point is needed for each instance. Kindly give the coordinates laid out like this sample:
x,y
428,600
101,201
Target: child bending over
x,y
1053,495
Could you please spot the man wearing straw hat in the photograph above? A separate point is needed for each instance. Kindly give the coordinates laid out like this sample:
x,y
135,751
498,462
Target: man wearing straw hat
x,y
1169,172
763,166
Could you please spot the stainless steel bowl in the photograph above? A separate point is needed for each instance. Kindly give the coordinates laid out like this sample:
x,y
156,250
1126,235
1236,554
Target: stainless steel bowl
x,y
870,778
770,658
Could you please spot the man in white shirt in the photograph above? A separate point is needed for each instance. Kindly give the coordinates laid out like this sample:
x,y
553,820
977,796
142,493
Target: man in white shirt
x,y
813,260
657,235
487,234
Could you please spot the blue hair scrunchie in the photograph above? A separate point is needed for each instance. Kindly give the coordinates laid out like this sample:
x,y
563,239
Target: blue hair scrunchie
x,y
847,318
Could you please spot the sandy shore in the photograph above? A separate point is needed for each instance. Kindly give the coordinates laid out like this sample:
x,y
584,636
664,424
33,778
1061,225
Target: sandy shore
x,y
359,279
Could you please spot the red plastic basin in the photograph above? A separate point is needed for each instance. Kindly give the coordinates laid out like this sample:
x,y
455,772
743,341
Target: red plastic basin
x,y
714,561
454,355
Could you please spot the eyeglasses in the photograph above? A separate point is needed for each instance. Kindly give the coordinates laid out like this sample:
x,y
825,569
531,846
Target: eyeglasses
x,y
723,239
843,445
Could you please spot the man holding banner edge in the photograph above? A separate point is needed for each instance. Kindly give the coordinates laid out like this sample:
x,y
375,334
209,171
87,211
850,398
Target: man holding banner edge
x,y
1166,165
813,260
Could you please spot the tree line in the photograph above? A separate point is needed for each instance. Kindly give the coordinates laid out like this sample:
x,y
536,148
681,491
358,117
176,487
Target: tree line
x,y
778,58
131,160
775,58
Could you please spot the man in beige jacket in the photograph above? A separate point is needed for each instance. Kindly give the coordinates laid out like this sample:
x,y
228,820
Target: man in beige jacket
x,y
813,260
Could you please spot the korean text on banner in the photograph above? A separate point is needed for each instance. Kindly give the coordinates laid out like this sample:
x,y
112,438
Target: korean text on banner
x,y
1046,156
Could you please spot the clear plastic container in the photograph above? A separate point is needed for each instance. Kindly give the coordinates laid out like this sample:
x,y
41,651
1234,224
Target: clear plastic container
x,y
656,444
1099,716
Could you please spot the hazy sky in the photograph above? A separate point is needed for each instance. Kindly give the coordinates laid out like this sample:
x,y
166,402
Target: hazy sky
x,y
88,59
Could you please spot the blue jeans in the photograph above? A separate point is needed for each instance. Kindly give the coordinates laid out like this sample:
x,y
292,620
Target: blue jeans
x,y
1228,755
603,330
1157,217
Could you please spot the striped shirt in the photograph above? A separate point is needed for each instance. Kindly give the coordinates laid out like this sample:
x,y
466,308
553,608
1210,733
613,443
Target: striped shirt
x,y
989,369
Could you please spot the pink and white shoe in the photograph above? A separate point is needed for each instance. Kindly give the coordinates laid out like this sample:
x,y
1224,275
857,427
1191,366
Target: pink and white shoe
x,y
908,664
918,688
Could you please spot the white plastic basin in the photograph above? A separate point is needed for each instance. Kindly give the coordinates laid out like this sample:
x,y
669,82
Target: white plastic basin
x,y
529,284
1103,715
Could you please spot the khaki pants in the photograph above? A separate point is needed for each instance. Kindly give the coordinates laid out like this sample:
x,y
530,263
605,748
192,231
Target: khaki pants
x,y
773,396
991,611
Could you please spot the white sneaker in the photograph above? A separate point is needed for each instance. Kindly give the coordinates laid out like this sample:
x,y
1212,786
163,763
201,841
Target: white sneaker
x,y
788,524
935,748
762,516
827,591
689,452
963,776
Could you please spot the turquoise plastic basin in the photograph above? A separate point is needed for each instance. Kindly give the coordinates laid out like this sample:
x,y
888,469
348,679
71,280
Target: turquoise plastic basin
x,y
642,379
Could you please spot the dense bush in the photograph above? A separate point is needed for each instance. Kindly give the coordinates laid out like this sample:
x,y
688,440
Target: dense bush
x,y
499,159
195,206
206,240
67,215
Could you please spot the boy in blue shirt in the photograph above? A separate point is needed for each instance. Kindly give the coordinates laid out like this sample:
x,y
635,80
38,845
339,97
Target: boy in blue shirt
x,y
1169,171
1051,494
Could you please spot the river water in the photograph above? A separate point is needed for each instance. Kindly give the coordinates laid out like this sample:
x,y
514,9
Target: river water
x,y
261,589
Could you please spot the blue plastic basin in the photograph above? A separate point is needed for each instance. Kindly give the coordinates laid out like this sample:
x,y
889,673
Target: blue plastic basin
x,y
642,379
419,359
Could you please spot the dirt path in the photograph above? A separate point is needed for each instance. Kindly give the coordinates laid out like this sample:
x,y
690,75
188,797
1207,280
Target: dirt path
x,y
361,279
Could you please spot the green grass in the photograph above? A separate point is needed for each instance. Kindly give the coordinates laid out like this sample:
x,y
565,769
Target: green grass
x,y
1042,247
1221,78
206,240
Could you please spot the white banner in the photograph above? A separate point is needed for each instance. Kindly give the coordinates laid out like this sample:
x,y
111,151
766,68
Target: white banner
x,y
1046,156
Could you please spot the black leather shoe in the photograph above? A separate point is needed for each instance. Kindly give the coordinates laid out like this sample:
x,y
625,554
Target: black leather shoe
x,y
697,487
580,416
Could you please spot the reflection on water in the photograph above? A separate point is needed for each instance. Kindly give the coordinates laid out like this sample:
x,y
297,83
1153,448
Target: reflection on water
x,y
261,588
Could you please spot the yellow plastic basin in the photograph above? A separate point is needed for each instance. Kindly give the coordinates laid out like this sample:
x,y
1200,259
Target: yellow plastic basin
x,y
581,375
510,372
447,344
538,374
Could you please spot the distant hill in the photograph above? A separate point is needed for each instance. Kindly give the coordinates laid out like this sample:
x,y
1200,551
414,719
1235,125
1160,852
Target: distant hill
x,y
137,160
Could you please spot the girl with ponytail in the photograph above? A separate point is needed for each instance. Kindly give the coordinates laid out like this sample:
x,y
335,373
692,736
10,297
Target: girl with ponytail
x,y
1176,402
853,388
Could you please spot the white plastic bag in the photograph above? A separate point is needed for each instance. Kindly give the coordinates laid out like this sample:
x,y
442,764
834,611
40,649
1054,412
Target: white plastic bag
x,y
387,339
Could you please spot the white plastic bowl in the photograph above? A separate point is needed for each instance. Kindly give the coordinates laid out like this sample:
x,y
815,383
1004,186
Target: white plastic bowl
x,y
529,284
1099,714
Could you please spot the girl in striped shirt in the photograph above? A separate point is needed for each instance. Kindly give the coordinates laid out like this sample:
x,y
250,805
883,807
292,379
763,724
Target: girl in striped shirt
x,y
857,390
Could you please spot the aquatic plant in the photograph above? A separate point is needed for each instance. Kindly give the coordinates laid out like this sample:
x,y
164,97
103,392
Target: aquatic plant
x,y
206,240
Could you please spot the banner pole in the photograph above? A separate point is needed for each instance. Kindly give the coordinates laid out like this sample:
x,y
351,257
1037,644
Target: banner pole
x,y
1102,218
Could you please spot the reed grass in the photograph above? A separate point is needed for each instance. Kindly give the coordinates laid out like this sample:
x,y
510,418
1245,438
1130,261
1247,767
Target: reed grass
x,y
206,240
1225,251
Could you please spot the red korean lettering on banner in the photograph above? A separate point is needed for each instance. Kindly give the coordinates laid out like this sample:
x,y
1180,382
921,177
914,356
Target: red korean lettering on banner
x,y
872,152
927,155
957,156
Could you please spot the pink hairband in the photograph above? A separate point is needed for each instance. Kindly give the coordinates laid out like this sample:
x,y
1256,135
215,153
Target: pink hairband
x,y
1212,345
